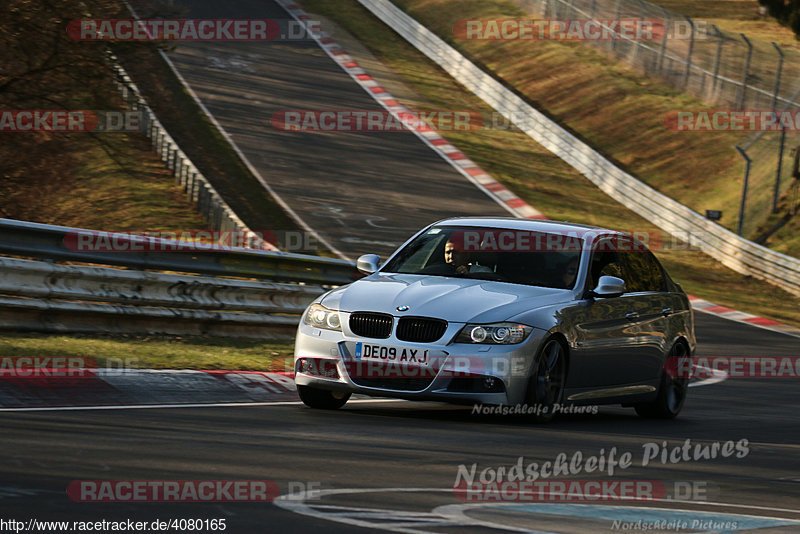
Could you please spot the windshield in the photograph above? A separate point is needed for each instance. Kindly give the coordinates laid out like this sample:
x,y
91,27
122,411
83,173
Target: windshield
x,y
514,256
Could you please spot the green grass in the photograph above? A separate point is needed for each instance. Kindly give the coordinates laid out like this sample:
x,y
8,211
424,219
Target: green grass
x,y
535,174
154,352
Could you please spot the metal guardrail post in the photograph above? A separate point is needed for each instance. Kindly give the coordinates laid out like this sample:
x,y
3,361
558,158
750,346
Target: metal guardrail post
x,y
748,162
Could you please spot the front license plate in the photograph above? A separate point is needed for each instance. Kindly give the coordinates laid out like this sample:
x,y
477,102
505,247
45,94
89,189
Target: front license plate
x,y
367,351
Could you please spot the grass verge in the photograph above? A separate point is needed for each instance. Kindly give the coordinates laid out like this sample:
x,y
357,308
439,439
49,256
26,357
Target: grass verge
x,y
538,176
154,352
113,182
739,16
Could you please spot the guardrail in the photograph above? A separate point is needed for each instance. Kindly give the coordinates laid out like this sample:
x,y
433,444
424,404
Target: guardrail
x,y
51,242
201,193
45,296
725,246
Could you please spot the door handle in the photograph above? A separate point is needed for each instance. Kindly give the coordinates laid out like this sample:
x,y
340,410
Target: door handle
x,y
666,311
632,316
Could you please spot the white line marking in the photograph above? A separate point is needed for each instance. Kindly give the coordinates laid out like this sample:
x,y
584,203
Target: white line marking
x,y
196,405
717,376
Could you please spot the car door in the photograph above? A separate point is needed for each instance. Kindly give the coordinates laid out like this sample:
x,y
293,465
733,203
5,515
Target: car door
x,y
603,330
649,306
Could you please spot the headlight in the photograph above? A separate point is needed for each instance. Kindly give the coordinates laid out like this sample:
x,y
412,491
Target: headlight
x,y
321,317
494,334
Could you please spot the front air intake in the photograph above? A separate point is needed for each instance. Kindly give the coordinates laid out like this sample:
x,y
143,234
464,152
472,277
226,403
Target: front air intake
x,y
374,325
420,329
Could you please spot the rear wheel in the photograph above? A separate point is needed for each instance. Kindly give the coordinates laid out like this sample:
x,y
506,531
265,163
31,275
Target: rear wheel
x,y
546,385
672,390
322,399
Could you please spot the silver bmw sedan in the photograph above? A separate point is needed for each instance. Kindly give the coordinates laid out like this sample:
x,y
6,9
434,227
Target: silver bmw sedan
x,y
535,315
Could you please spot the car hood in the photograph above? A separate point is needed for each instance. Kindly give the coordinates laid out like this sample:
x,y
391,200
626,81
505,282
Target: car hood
x,y
460,300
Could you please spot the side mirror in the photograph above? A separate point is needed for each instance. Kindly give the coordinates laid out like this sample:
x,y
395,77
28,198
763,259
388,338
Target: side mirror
x,y
368,263
609,286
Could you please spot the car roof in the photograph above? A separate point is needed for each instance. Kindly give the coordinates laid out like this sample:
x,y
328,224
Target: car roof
x,y
531,225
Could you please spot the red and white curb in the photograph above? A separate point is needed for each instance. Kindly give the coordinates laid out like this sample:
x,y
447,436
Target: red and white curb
x,y
143,387
742,317
452,155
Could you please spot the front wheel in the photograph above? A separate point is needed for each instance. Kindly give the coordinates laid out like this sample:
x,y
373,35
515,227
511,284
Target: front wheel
x,y
672,390
322,399
546,385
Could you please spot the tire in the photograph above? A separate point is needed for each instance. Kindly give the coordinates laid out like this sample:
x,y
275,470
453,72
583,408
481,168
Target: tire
x,y
671,391
322,399
546,385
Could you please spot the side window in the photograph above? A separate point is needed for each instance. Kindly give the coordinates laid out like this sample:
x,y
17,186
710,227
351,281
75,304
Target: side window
x,y
643,271
604,263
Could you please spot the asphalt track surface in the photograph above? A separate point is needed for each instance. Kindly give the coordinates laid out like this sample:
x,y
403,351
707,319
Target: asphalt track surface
x,y
389,447
362,191
401,457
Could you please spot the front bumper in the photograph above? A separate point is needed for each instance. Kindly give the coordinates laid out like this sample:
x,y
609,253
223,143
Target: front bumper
x,y
455,372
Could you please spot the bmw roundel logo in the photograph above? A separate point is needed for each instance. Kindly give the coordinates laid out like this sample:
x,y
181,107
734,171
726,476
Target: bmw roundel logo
x,y
402,308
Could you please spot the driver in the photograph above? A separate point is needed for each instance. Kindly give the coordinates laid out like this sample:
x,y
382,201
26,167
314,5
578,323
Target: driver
x,y
570,273
462,261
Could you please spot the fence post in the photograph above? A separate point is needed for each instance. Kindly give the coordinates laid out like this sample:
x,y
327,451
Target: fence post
x,y
159,142
617,37
689,56
748,161
718,59
777,77
776,192
636,43
746,69
660,67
